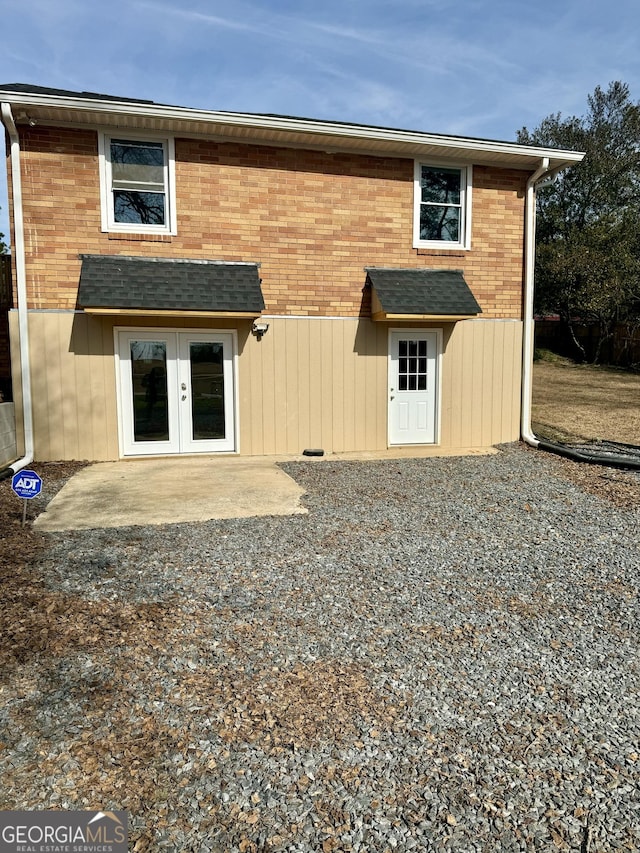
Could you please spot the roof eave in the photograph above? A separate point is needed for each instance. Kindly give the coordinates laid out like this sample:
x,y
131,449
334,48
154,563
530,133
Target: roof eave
x,y
388,316
287,130
173,312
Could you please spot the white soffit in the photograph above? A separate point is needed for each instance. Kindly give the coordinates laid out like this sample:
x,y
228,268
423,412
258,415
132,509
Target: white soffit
x,y
285,131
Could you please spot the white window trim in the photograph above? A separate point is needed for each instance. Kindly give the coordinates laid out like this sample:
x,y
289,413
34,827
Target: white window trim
x,y
106,196
465,224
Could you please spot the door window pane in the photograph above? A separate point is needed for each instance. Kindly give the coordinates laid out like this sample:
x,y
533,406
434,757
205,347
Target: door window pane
x,y
412,370
207,390
149,381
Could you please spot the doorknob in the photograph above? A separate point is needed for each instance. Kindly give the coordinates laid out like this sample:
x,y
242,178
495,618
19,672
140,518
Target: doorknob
x,y
184,386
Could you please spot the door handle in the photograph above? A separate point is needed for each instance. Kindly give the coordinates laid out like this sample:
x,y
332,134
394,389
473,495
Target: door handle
x,y
183,386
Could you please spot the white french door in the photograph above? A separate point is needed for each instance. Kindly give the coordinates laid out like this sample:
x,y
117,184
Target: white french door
x,y
413,386
176,392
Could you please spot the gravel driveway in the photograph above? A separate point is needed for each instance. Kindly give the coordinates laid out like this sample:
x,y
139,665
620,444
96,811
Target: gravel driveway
x,y
443,655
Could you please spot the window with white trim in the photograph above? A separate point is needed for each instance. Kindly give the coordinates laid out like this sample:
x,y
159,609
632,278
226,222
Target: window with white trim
x,y
137,176
442,206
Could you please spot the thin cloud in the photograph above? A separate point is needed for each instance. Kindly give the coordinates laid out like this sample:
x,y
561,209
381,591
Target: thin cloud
x,y
198,17
361,36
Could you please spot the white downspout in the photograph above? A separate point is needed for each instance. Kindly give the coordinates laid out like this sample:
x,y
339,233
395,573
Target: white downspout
x,y
529,282
21,277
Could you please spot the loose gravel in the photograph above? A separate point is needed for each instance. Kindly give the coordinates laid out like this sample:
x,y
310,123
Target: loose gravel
x,y
441,656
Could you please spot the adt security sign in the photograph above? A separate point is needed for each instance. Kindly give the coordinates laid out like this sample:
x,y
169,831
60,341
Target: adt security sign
x,y
26,484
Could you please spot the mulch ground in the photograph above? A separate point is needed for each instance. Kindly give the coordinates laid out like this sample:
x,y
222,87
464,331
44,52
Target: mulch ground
x,y
25,610
619,487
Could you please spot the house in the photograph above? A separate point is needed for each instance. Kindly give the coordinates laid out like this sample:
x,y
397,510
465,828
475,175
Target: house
x,y
189,281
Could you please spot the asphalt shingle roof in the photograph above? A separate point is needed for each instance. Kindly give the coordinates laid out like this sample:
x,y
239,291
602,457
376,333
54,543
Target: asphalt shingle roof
x,y
420,291
116,281
28,89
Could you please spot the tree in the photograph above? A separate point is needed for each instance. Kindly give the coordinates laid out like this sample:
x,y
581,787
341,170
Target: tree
x,y
588,252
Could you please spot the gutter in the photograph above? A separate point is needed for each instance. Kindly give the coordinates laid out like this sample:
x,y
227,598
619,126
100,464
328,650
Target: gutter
x,y
21,277
529,283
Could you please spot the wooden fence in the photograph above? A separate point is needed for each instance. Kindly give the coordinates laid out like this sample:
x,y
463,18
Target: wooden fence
x,y
621,350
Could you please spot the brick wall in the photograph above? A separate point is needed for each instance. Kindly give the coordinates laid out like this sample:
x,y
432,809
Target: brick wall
x,y
312,220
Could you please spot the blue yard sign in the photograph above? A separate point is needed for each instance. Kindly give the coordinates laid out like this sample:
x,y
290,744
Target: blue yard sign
x,y
26,484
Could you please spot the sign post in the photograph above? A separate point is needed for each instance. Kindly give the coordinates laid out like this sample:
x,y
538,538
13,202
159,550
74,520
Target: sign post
x,y
27,485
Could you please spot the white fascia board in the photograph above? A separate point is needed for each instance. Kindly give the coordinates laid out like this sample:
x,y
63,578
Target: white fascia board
x,y
285,124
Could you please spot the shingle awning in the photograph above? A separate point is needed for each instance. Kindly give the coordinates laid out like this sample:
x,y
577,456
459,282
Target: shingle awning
x,y
115,284
420,294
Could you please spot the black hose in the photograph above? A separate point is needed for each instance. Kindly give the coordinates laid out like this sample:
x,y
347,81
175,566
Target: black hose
x,y
611,460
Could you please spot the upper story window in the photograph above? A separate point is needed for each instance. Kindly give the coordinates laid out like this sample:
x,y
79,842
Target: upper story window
x,y
442,212
137,184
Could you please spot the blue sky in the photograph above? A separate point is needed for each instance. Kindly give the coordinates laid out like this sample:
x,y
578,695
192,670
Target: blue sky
x,y
480,68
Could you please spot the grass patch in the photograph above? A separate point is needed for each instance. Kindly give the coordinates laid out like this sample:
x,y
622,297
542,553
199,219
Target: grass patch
x,y
580,402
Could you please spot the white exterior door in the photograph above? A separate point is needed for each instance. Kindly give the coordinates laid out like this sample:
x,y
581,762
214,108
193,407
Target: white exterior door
x,y
176,392
413,386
